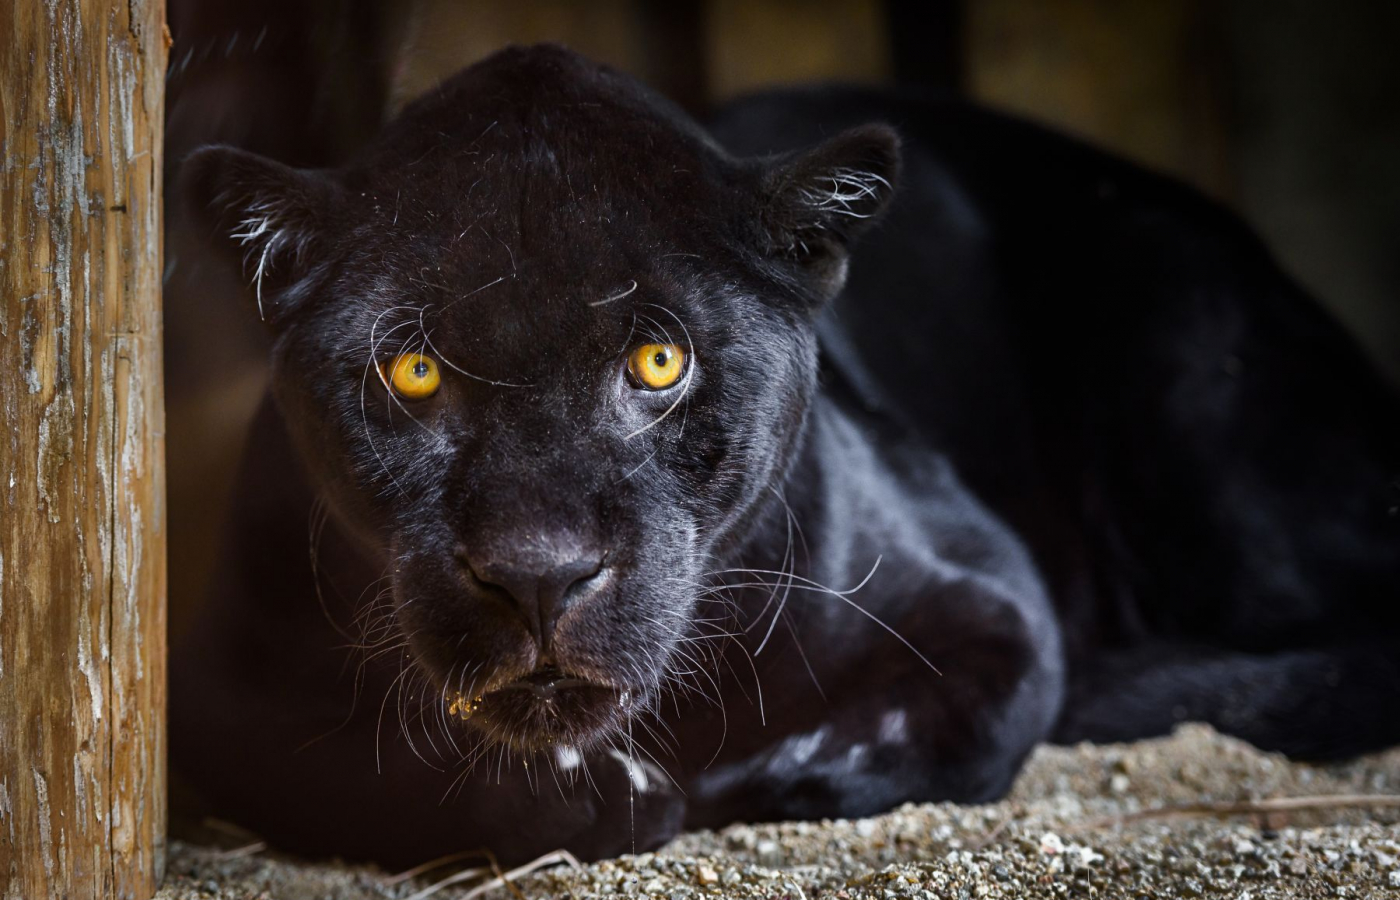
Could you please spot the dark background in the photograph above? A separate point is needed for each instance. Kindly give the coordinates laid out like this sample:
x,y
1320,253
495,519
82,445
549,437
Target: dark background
x,y
1285,110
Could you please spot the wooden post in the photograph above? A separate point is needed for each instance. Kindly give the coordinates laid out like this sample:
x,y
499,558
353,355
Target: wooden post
x,y
82,544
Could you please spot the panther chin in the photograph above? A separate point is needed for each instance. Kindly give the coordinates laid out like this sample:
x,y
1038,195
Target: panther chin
x,y
546,709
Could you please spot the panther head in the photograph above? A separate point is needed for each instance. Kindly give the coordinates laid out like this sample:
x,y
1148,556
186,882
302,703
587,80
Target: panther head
x,y
546,349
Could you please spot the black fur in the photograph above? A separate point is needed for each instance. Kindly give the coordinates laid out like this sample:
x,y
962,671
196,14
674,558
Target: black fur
x,y
1080,445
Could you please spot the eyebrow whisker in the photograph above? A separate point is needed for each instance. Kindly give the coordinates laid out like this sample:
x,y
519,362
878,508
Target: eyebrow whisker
x,y
625,293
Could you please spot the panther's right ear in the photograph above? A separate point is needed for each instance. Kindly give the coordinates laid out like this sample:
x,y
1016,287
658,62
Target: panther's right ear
x,y
815,203
275,217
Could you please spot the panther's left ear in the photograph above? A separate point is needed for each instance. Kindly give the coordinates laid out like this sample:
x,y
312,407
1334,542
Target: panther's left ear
x,y
276,218
817,202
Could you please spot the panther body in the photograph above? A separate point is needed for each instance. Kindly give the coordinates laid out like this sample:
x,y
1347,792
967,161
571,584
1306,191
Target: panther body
x,y
796,468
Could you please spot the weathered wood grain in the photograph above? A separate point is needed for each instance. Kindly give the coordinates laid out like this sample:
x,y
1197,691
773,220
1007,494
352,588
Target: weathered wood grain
x,y
82,550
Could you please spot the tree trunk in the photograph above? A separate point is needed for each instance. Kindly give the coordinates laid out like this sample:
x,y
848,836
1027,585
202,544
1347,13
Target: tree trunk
x,y
82,519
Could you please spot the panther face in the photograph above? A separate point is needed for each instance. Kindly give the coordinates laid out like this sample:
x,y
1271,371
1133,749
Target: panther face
x,y
546,348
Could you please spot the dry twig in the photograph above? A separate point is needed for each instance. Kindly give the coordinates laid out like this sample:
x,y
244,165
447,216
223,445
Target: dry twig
x,y
502,879
441,861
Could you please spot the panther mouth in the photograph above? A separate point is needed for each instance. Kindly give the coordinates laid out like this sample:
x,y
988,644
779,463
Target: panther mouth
x,y
545,682
545,707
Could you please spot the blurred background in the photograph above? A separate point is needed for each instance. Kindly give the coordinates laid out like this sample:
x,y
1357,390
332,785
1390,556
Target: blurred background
x,y
1287,111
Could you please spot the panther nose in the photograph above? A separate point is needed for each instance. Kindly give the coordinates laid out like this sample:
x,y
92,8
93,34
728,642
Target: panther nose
x,y
542,587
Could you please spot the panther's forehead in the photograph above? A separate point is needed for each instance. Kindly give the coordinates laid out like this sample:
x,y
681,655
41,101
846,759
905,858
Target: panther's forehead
x,y
549,105
542,199
548,154
522,257
507,271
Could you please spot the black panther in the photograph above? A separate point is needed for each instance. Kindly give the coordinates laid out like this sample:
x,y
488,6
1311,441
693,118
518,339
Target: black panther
x,y
659,477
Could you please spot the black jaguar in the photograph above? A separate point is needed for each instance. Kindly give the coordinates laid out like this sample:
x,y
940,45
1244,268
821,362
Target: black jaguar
x,y
661,477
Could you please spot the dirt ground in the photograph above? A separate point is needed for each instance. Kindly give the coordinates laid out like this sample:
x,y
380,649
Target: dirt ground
x,y
1078,824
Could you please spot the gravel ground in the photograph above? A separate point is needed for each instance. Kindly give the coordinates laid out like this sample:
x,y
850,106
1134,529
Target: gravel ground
x,y
1072,827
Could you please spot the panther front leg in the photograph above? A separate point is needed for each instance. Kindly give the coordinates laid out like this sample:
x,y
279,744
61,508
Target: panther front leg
x,y
891,729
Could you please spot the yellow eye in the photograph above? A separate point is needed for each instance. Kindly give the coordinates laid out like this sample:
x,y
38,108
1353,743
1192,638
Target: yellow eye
x,y
656,366
413,376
